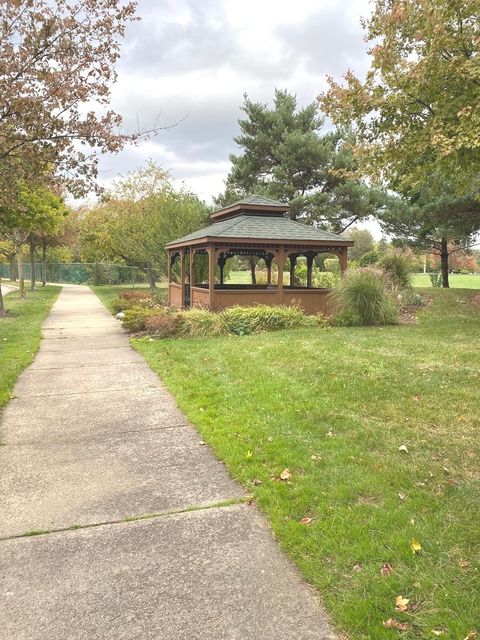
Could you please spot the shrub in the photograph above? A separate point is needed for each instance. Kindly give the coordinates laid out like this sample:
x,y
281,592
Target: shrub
x,y
325,279
371,257
199,323
163,325
397,267
135,318
363,299
133,295
436,279
247,320
332,265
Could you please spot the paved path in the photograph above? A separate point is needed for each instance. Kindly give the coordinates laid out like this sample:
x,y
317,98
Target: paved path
x,y
93,442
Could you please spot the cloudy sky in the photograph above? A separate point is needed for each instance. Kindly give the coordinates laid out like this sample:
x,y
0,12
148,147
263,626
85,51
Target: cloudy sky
x,y
191,61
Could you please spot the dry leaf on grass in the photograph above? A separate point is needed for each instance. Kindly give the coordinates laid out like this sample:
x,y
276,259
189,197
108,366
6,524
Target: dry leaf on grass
x,y
472,636
257,482
285,475
358,567
306,520
386,569
402,496
463,564
437,632
403,448
401,603
391,623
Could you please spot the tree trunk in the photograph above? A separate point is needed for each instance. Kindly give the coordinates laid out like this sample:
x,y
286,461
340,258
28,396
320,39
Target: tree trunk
x,y
2,306
21,279
252,262
150,276
444,263
32,264
44,262
13,275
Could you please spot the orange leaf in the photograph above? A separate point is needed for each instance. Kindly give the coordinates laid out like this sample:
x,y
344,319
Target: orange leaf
x,y
391,623
386,569
306,520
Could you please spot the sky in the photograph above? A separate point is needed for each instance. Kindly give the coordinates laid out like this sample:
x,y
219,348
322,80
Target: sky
x,y
191,62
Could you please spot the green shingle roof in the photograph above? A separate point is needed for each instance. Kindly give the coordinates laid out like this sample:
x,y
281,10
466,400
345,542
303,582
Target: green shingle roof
x,y
261,228
260,200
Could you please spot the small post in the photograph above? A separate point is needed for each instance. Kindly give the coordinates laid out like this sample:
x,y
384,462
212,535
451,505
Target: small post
x,y
281,266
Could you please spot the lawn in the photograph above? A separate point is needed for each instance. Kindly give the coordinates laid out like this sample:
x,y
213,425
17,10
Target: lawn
x,y
470,281
108,293
457,280
378,428
20,334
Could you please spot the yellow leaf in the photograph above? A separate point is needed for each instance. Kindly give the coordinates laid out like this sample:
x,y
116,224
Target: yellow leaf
x,y
415,546
401,603
437,632
249,454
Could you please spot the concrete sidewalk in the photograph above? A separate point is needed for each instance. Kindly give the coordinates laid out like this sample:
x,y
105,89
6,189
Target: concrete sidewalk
x,y
146,536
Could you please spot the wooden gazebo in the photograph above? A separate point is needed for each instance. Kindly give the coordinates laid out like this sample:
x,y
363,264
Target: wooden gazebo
x,y
255,226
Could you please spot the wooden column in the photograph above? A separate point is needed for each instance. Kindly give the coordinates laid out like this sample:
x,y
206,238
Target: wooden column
x,y
182,277
169,275
342,256
310,257
281,266
293,263
211,275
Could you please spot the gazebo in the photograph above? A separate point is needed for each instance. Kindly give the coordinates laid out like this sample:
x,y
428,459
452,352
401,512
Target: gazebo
x,y
259,227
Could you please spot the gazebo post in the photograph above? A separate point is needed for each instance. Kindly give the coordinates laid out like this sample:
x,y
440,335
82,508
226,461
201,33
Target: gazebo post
x,y
169,275
293,263
310,257
182,277
281,265
192,273
211,275
343,259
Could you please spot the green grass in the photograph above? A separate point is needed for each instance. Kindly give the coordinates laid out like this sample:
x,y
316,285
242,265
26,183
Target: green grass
x,y
350,397
456,280
20,333
108,293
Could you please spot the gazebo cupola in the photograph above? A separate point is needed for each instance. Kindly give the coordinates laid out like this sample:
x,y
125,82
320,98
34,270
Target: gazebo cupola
x,y
261,228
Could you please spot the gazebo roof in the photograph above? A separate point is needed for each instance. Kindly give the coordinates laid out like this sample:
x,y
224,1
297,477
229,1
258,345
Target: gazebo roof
x,y
261,227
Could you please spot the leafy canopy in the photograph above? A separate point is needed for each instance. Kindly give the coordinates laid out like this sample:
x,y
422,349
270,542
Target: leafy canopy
x,y
416,114
286,156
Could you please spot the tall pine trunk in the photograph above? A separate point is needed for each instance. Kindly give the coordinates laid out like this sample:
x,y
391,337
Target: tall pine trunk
x,y
44,262
32,264
444,262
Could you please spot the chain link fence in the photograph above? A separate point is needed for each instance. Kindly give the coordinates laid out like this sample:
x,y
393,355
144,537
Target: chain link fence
x,y
96,273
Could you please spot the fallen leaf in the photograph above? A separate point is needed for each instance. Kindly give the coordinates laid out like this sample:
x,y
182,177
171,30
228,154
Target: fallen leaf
x,y
285,475
306,520
358,568
386,569
401,603
270,439
472,636
417,398
391,623
403,448
402,496
412,521
202,443
315,457
463,563
437,632
329,433
249,454
251,502
257,482
415,546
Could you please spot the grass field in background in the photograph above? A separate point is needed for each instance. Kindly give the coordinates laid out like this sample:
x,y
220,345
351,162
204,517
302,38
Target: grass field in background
x,y
456,280
378,428
20,334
